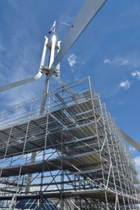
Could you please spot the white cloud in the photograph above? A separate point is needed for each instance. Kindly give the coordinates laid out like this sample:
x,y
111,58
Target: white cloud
x,y
124,62
136,74
132,149
72,60
106,61
131,60
125,84
137,160
120,61
117,61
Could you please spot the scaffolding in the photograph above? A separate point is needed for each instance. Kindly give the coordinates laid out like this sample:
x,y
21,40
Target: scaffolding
x,y
72,156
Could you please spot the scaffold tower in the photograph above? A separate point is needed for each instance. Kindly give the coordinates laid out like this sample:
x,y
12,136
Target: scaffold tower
x,y
63,150
71,157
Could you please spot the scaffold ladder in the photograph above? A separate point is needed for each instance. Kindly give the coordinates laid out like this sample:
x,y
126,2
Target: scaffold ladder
x,y
12,203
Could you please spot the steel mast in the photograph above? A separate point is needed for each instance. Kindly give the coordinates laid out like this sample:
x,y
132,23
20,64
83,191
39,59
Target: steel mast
x,y
52,47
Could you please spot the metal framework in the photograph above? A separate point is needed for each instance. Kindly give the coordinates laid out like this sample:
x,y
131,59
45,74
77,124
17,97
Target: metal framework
x,y
73,156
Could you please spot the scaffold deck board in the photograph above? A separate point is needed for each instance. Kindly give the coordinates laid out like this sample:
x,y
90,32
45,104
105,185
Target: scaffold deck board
x,y
80,160
77,126
96,194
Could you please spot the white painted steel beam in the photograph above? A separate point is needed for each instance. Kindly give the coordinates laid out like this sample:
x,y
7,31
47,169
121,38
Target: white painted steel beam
x,y
86,14
46,88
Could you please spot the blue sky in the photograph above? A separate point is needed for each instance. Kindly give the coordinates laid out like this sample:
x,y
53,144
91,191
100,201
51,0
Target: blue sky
x,y
108,51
